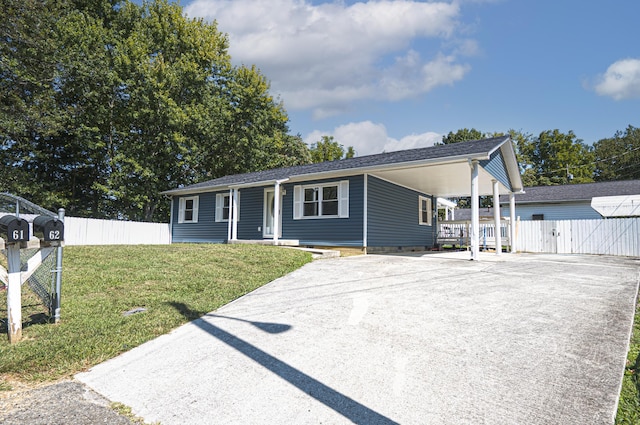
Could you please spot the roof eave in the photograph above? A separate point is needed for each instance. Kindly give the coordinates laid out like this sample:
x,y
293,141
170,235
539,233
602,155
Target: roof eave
x,y
513,170
362,170
393,166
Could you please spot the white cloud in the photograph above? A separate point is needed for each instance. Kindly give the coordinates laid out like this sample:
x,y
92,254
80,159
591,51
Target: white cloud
x,y
325,57
369,138
621,81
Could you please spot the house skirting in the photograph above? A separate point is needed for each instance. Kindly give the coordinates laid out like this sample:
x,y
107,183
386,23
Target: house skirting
x,y
279,242
397,249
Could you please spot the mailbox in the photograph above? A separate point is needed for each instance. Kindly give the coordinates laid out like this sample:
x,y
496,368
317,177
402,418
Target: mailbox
x,y
48,229
14,229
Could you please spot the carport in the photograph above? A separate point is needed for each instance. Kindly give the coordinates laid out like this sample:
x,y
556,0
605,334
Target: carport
x,y
474,170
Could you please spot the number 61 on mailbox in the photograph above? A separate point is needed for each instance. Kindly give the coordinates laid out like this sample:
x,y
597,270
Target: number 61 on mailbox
x,y
14,229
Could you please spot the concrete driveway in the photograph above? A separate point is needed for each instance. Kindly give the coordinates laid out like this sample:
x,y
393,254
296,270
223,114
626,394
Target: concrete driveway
x,y
422,339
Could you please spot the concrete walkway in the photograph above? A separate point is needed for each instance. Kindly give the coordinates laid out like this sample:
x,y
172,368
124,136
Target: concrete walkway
x,y
422,339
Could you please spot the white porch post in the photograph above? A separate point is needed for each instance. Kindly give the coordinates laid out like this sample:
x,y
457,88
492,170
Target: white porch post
x,y
234,214
365,213
475,212
276,212
14,298
229,224
496,217
512,221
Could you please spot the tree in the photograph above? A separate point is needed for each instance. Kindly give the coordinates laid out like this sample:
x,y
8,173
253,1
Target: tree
x,y
289,151
558,158
29,118
463,135
618,157
328,149
522,143
104,104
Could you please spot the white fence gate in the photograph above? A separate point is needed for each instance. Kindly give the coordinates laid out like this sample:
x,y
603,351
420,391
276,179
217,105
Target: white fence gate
x,y
616,236
91,231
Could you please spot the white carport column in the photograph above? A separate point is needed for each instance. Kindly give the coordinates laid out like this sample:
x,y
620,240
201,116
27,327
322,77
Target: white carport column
x,y
512,221
276,212
496,217
234,216
475,212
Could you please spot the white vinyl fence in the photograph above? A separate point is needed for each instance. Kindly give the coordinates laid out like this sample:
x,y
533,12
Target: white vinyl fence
x,y
90,231
614,236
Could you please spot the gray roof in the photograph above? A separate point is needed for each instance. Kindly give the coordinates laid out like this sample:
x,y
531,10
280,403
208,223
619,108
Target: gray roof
x,y
576,192
472,149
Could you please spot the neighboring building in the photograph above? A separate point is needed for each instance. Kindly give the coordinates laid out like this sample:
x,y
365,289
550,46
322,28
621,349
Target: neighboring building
x,y
578,201
485,213
377,202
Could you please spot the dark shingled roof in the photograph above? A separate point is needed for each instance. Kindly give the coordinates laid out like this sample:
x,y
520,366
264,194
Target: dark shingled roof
x,y
576,192
470,148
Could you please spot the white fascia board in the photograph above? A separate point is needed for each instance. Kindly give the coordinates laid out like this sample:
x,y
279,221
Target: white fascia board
x,y
194,191
259,183
513,169
446,202
508,138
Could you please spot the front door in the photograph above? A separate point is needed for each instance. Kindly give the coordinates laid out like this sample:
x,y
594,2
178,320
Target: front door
x,y
269,214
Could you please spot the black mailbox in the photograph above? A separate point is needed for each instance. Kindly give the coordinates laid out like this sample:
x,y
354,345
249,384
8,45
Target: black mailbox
x,y
14,229
48,229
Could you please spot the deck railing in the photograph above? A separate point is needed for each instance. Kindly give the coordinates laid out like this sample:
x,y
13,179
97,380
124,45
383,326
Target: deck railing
x,y
458,233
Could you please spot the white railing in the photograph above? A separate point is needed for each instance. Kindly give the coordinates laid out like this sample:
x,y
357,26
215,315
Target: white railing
x,y
457,232
90,231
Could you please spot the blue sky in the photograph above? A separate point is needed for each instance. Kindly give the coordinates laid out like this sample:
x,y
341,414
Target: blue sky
x,y
389,75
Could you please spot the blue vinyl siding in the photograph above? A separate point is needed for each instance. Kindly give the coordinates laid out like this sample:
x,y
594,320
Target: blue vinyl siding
x,y
206,229
558,211
326,231
496,167
393,216
251,212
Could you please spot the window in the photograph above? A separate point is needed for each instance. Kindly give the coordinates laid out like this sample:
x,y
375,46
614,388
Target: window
x,y
188,210
321,201
425,210
224,207
537,217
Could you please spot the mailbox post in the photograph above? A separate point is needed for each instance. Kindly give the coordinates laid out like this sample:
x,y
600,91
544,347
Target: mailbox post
x,y
14,231
45,235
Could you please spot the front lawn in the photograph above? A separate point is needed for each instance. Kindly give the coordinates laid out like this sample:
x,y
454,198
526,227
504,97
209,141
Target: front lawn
x,y
101,283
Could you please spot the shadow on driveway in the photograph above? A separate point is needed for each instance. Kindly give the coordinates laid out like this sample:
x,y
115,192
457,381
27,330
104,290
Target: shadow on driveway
x,y
345,406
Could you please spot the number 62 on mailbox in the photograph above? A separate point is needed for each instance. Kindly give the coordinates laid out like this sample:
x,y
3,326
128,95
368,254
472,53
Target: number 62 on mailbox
x,y
48,229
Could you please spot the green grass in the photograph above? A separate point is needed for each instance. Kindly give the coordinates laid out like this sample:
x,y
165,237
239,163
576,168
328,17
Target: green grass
x,y
175,284
629,404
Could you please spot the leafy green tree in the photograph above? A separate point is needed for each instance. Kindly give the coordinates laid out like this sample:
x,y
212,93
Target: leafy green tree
x,y
29,118
105,103
327,149
618,157
559,158
522,143
463,135
289,151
